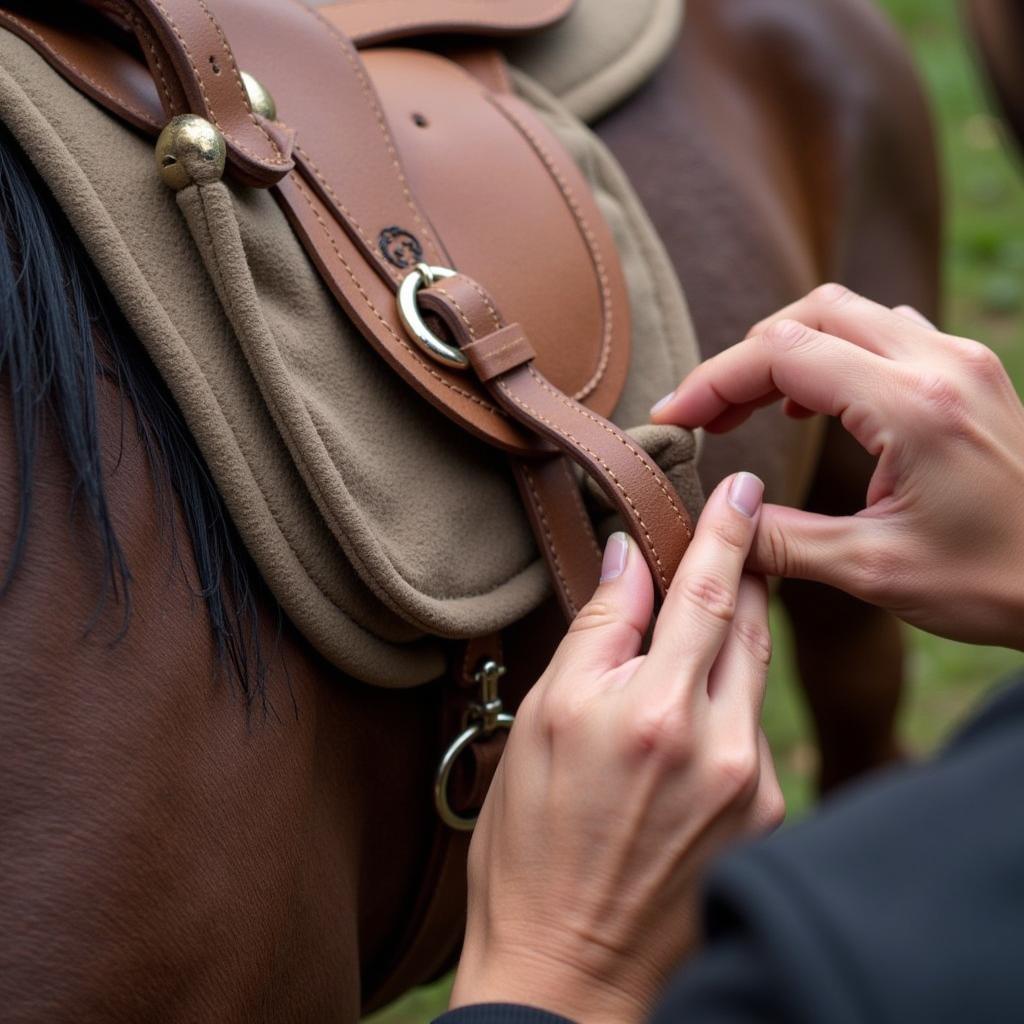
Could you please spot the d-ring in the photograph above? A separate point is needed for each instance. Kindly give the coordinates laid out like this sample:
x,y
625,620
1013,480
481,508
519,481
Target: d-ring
x,y
408,310
444,770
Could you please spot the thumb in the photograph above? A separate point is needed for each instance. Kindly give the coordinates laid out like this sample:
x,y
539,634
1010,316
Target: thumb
x,y
610,627
806,546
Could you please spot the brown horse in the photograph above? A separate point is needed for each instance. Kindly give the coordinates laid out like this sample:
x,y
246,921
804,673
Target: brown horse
x,y
793,146
998,28
188,834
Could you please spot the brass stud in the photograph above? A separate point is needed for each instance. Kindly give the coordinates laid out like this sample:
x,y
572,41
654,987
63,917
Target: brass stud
x,y
189,151
260,100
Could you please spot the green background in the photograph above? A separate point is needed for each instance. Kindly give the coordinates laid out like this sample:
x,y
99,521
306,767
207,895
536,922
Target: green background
x,y
984,288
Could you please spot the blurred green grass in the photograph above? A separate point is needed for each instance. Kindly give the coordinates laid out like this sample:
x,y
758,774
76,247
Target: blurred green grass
x,y
984,289
984,299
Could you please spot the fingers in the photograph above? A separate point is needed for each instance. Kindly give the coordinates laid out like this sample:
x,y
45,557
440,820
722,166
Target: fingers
x,y
737,681
700,606
769,809
725,391
610,628
817,371
833,309
850,553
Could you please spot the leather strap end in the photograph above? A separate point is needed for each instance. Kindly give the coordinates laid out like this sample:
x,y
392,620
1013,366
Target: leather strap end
x,y
499,352
634,485
195,72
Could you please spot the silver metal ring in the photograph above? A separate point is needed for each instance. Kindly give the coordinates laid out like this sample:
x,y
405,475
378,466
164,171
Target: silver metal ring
x,y
444,770
408,310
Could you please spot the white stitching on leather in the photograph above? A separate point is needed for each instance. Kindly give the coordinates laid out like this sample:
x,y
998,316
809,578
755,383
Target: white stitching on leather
x,y
280,160
369,302
486,301
343,208
578,410
441,290
77,70
514,343
357,66
597,458
142,29
588,235
621,438
549,540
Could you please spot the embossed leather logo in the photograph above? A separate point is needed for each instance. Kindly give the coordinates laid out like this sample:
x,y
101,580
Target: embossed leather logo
x,y
400,247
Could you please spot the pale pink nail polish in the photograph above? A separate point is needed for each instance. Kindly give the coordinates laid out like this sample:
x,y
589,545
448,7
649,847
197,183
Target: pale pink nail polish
x,y
745,494
662,402
615,554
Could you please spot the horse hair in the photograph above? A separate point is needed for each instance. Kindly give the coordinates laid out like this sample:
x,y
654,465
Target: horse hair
x,y
60,330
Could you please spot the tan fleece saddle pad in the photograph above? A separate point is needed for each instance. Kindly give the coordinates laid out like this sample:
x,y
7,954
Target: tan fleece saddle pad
x,y
400,447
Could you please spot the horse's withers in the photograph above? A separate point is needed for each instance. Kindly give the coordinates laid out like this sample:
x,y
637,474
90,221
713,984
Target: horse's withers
x,y
314,447
384,529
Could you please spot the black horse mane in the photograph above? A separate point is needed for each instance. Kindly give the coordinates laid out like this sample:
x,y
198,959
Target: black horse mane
x,y
60,331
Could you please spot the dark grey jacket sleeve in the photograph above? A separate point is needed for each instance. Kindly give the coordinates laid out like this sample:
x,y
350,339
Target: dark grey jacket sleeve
x,y
500,1013
900,900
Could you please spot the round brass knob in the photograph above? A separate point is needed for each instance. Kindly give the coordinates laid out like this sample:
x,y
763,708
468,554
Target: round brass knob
x,y
260,100
189,151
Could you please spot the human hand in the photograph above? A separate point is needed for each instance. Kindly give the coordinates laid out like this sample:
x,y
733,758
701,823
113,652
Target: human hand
x,y
624,774
940,541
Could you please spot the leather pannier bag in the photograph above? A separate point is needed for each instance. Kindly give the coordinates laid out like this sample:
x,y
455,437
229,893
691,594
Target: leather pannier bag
x,y
404,298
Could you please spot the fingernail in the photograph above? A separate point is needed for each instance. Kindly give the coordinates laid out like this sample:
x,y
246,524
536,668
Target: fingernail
x,y
615,554
745,494
662,402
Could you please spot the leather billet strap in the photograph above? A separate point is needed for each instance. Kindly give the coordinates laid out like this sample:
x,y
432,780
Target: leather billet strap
x,y
511,205
195,72
503,358
562,527
348,183
363,179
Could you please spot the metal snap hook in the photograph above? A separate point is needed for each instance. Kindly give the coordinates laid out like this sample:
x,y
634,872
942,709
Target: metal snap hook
x,y
484,718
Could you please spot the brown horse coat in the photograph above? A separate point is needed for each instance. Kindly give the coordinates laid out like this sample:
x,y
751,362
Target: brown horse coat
x,y
167,857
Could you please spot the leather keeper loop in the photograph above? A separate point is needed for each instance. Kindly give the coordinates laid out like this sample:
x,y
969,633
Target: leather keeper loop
x,y
627,475
499,352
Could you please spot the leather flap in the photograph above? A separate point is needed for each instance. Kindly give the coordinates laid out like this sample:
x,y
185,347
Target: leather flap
x,y
379,21
396,526
501,200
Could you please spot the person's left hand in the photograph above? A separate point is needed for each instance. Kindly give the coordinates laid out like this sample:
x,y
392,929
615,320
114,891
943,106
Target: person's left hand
x,y
624,774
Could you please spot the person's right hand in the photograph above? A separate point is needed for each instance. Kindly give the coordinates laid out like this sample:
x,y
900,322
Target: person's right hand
x,y
940,541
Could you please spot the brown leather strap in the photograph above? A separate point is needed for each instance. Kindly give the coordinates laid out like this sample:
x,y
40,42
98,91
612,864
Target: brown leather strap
x,y
431,933
624,471
551,496
499,352
362,181
72,42
486,65
337,205
376,21
544,250
195,72
632,481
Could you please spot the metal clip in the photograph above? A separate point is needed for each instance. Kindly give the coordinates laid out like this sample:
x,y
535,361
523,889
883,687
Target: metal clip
x,y
483,718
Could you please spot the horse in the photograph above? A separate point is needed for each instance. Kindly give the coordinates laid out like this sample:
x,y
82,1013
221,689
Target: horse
x,y
200,817
997,27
